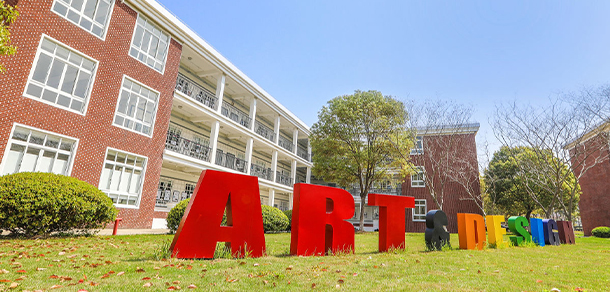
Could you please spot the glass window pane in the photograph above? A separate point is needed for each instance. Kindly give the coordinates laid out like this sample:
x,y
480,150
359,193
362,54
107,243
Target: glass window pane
x,y
77,105
137,38
49,95
82,84
69,79
102,12
146,41
60,8
88,65
105,178
131,106
73,16
30,158
116,178
52,142
21,134
77,4
123,101
37,138
57,70
141,108
85,23
148,116
90,8
34,90
60,166
63,100
48,46
66,145
46,160
13,157
125,180
42,68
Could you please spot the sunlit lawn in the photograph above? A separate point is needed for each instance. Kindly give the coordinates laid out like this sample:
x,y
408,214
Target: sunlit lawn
x,y
128,263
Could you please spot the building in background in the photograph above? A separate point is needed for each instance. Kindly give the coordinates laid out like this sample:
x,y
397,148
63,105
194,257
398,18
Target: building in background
x,y
124,96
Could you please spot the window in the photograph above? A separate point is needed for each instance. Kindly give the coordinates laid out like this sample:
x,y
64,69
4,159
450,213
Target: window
x,y
91,15
149,44
418,178
418,148
61,76
420,210
122,177
32,150
136,108
171,191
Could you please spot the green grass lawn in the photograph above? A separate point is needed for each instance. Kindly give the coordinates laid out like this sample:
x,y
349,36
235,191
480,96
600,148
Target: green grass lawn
x,y
128,263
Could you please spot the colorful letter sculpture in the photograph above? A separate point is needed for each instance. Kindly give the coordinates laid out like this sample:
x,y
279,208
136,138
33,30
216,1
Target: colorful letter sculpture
x,y
471,231
200,229
436,230
550,235
566,232
537,228
495,231
391,219
318,220
516,224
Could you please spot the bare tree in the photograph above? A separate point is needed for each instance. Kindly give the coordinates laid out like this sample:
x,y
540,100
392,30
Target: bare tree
x,y
562,152
444,156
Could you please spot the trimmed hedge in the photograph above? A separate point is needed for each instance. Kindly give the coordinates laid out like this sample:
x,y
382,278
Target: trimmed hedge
x,y
274,220
288,214
35,203
602,232
175,216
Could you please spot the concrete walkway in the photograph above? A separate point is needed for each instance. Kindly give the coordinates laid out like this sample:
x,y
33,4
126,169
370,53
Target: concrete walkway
x,y
134,231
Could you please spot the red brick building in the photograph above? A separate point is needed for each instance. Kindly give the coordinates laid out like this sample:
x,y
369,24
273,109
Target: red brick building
x,y
124,96
592,149
446,164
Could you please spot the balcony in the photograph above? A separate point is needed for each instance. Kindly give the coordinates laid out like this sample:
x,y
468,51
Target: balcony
x,y
302,153
195,91
187,147
264,131
229,160
261,171
235,114
286,144
283,179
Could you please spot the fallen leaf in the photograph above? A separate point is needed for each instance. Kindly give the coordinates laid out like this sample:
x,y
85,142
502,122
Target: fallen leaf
x,y
355,274
56,286
82,290
538,281
3,271
13,285
139,270
176,282
341,281
21,271
120,273
145,278
147,284
313,285
192,286
40,269
478,271
61,253
417,261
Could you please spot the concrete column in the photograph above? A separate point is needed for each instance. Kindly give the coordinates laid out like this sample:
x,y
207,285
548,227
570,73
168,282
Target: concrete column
x,y
293,171
220,90
249,145
271,197
308,150
214,140
308,177
252,113
274,165
290,201
276,129
295,140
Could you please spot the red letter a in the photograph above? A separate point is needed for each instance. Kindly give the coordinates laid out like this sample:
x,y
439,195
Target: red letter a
x,y
391,219
200,228
318,220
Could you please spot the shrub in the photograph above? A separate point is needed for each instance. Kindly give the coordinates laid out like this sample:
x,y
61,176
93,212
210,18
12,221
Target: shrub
x,y
288,214
175,216
602,232
35,203
274,219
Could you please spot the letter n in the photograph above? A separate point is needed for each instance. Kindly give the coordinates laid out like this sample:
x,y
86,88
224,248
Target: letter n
x,y
200,228
566,232
318,220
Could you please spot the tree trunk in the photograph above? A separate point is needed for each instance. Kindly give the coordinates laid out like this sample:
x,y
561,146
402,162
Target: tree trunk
x,y
528,215
362,204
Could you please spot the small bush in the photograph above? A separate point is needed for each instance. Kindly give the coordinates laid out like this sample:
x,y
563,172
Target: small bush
x,y
288,214
274,219
35,203
175,216
602,232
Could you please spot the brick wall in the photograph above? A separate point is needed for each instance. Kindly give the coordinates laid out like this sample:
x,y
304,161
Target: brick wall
x,y
594,202
95,129
456,198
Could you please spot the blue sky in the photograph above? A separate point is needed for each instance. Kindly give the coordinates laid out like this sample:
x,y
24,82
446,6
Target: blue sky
x,y
479,53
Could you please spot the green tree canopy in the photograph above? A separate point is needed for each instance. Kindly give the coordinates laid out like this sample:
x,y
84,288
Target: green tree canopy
x,y
8,14
358,140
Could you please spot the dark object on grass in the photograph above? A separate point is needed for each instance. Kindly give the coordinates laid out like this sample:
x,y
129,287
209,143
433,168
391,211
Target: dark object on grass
x,y
602,232
566,232
436,231
550,235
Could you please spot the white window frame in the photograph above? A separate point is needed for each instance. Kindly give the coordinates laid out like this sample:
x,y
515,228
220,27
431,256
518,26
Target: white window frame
x,y
33,67
10,141
425,205
142,179
419,183
69,7
154,118
131,45
418,148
